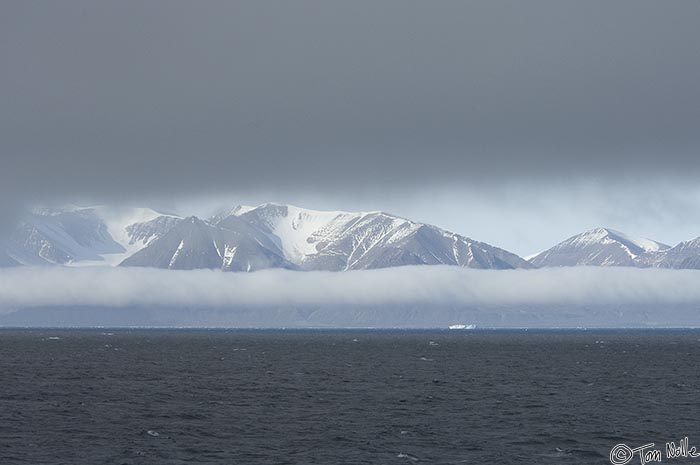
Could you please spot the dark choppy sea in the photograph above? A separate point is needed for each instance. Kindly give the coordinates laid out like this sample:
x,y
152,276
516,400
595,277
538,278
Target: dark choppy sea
x,y
335,397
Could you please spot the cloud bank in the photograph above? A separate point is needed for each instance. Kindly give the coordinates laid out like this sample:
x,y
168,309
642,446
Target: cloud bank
x,y
131,99
406,286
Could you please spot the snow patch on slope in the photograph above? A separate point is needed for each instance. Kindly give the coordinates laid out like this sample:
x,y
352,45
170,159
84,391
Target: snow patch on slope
x,y
645,244
117,221
296,229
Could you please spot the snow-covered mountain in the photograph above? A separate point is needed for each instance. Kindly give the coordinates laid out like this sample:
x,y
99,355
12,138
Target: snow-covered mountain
x,y
337,241
246,238
79,236
61,237
602,247
195,244
685,255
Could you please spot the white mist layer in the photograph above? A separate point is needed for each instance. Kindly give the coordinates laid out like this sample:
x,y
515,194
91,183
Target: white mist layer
x,y
26,287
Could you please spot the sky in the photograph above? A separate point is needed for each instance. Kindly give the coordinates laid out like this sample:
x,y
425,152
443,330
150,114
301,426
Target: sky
x,y
515,123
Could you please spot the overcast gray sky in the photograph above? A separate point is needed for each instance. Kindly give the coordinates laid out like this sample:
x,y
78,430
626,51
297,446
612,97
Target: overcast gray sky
x,y
517,123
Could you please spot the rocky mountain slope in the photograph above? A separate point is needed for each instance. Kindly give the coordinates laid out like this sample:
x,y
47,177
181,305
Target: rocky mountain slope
x,y
273,235
338,241
242,239
602,247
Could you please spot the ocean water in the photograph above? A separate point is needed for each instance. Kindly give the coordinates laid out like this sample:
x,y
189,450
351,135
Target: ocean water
x,y
335,397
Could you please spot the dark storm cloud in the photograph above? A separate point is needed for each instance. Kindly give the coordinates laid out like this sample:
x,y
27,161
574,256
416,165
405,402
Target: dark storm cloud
x,y
126,98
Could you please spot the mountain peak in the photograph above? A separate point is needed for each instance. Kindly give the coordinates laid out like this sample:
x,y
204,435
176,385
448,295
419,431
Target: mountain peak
x,y
600,247
342,240
197,244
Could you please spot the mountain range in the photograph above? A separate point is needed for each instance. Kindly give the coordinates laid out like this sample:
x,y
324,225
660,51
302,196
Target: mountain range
x,y
242,239
273,235
607,247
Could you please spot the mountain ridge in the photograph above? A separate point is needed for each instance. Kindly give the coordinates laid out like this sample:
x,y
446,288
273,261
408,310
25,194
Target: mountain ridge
x,y
267,235
246,238
602,247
